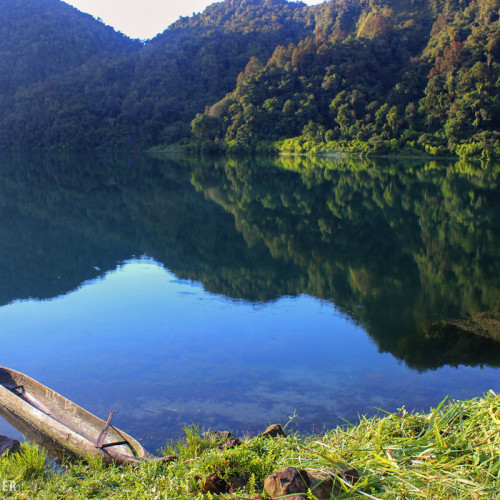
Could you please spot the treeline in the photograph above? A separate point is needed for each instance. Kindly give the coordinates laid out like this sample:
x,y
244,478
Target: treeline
x,y
78,84
356,75
376,76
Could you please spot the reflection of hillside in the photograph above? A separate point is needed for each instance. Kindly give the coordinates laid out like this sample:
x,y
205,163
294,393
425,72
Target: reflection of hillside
x,y
394,245
65,221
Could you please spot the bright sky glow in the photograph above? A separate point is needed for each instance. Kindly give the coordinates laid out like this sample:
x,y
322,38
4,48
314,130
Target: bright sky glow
x,y
143,19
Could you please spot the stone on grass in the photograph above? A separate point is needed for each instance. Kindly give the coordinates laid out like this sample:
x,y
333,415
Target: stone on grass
x,y
289,481
8,444
325,485
350,474
218,486
215,484
294,483
273,431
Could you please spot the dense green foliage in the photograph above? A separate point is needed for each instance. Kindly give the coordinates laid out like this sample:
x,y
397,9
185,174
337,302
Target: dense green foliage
x,y
376,76
353,75
450,452
39,41
52,60
99,91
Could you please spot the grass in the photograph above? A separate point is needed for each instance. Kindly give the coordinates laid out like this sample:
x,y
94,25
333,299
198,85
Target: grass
x,y
451,452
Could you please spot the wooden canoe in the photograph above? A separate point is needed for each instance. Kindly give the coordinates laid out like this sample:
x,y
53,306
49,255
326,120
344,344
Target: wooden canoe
x,y
60,426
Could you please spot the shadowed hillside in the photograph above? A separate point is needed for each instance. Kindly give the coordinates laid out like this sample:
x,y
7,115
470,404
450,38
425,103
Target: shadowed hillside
x,y
371,76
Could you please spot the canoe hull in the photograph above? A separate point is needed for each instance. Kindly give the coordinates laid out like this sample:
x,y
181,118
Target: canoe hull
x,y
63,428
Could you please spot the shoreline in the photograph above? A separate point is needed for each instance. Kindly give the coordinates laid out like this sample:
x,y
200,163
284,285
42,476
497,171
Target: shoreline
x,y
334,153
452,451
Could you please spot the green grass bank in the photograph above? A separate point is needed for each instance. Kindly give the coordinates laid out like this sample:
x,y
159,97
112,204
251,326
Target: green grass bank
x,y
451,452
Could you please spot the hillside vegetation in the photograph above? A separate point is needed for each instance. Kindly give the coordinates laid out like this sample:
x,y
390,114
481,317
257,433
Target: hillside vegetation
x,y
99,89
376,76
355,75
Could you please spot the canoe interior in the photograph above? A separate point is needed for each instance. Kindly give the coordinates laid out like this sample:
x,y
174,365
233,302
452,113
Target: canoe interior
x,y
55,449
57,407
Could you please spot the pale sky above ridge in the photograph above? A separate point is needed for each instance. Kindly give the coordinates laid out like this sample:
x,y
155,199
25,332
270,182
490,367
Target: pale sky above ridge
x,y
143,19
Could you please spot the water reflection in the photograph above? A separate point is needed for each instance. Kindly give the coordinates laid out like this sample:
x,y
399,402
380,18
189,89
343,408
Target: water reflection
x,y
221,322
397,246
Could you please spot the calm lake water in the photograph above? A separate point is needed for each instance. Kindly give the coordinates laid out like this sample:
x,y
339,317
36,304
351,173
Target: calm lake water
x,y
235,293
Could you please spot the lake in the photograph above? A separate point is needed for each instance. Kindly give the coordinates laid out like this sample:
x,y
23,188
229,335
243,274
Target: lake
x,y
235,293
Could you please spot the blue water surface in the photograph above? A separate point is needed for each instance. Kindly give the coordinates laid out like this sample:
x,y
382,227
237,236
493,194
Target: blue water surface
x,y
233,294
164,352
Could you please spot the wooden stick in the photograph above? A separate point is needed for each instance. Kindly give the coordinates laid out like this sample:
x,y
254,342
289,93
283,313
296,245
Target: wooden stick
x,y
102,435
118,443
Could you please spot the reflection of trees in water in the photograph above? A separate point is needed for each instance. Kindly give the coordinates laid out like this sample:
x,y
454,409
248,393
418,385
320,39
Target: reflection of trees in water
x,y
395,245
61,218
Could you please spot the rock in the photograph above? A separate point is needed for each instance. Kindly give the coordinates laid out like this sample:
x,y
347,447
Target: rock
x,y
8,444
231,442
325,485
350,474
215,484
273,431
287,482
292,481
238,482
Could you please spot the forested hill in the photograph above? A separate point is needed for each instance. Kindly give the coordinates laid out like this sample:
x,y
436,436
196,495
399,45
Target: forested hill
x,y
41,39
376,76
50,54
81,98
370,75
197,60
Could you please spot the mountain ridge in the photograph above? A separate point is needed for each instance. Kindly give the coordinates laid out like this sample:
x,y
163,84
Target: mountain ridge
x,y
145,94
379,74
36,41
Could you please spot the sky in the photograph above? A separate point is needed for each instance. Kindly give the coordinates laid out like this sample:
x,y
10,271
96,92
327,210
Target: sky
x,y
143,18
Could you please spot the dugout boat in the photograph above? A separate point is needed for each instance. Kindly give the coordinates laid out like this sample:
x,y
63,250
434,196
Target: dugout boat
x,y
62,427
